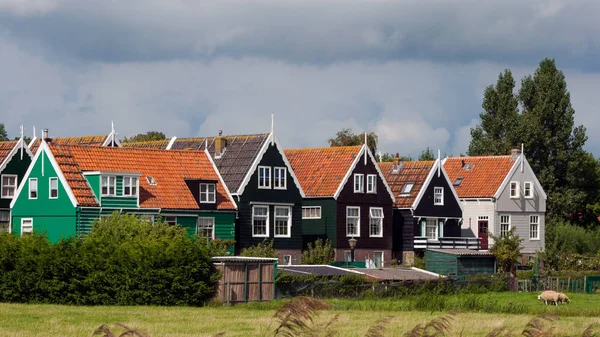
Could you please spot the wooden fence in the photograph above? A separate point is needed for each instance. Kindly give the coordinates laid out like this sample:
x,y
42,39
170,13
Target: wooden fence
x,y
246,279
577,284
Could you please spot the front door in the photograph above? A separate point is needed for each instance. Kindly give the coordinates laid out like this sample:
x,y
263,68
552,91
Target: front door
x,y
483,235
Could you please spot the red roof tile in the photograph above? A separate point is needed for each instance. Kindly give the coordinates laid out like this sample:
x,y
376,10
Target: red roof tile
x,y
6,147
81,140
170,169
415,172
482,176
320,171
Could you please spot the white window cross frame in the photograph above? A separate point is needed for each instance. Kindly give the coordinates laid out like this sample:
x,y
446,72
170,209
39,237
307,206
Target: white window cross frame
x,y
534,227
130,186
504,225
359,183
280,178
260,213
376,222
514,189
26,226
108,186
33,188
264,177
438,196
208,193
528,190
311,212
206,225
283,216
53,188
353,219
9,185
371,183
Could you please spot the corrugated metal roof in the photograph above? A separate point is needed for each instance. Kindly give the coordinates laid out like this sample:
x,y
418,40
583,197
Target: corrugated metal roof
x,y
319,270
243,259
463,252
400,273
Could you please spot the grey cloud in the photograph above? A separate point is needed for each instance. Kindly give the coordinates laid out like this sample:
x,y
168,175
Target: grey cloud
x,y
318,32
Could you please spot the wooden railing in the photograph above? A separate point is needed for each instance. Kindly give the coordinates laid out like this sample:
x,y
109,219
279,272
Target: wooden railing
x,y
421,242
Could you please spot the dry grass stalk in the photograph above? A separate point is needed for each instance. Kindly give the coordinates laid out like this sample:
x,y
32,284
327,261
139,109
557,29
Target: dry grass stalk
x,y
591,330
437,327
296,318
379,329
105,331
535,327
499,332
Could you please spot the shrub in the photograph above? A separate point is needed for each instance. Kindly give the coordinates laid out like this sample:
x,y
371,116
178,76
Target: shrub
x,y
507,250
263,249
318,252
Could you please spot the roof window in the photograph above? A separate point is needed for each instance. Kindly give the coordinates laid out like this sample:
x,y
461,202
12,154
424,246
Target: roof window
x,y
406,189
458,181
151,181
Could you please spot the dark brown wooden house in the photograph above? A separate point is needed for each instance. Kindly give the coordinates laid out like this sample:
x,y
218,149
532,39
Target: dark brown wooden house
x,y
346,197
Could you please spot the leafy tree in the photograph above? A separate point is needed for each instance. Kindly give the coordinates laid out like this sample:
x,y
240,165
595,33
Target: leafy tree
x,y
499,120
3,134
263,249
318,252
388,157
26,139
427,154
507,250
146,137
346,137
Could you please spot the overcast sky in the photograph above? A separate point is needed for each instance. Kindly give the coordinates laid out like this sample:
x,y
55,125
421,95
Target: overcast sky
x,y
411,71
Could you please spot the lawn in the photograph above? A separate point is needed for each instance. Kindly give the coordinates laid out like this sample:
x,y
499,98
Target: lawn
x,y
354,318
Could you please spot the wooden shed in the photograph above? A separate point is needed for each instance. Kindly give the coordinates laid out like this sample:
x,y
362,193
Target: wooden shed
x,y
460,262
245,279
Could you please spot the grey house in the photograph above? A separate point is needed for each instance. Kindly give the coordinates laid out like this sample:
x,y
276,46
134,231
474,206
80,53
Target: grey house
x,y
499,193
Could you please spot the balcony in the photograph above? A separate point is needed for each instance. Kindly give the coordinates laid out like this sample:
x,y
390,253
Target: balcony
x,y
421,242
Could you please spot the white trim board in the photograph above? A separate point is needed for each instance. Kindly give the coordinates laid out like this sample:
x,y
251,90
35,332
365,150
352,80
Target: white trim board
x,y
439,164
220,180
20,145
512,171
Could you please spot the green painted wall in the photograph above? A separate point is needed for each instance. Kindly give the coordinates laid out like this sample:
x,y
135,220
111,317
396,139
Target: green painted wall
x,y
441,263
449,264
55,217
94,181
18,167
224,222
119,190
119,202
326,226
468,265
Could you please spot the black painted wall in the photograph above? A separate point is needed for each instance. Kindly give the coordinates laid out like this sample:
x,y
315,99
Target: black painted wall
x,y
451,207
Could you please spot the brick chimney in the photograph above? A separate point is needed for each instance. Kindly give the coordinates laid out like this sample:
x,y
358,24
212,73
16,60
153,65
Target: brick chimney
x,y
396,159
220,144
514,154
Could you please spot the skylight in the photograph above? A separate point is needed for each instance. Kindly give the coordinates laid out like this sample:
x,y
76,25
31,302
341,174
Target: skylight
x,y
151,181
406,189
458,181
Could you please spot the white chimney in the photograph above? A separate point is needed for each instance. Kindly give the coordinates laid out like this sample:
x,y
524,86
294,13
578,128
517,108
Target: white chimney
x,y
45,134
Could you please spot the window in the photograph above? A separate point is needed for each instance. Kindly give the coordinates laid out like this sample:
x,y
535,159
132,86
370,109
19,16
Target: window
x,y
130,186
151,181
206,228
514,189
406,189
458,181
33,188
378,259
279,178
287,260
371,183
171,220
26,226
347,256
53,188
109,186
376,222
264,177
283,221
438,196
504,225
431,229
4,221
528,190
260,221
146,217
311,212
359,183
534,227
352,221
207,193
9,185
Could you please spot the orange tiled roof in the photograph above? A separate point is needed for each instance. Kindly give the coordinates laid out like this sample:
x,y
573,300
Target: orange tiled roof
x,y
169,169
321,170
81,140
415,172
482,176
5,147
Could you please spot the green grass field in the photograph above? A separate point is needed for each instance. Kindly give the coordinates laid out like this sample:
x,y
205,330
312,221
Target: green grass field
x,y
354,318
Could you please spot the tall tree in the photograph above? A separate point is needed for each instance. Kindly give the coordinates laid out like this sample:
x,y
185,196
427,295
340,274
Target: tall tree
x,y
497,133
346,137
427,154
3,134
146,137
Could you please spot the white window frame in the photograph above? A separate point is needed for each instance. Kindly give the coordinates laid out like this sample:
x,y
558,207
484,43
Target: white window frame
x,y
23,220
36,188
438,191
406,189
371,185
309,209
200,227
382,259
516,186
289,260
50,187
289,222
359,183
347,256
502,233
170,219
146,217
129,182
267,170
261,216
14,187
528,184
108,186
348,208
5,220
279,176
535,223
378,219
207,194
428,221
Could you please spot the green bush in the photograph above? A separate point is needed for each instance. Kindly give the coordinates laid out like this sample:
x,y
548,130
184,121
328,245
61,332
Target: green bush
x,y
318,252
263,249
123,261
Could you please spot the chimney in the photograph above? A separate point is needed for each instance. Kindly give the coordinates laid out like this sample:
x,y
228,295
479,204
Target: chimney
x,y
219,144
396,159
45,134
514,154
462,163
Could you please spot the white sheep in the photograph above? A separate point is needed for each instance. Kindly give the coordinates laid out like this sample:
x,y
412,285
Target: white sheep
x,y
562,298
549,296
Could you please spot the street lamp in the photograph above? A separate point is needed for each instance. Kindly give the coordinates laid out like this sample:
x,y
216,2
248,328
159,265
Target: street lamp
x,y
352,243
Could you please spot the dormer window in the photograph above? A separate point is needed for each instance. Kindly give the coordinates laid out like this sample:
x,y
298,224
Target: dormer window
x,y
109,186
406,189
151,181
207,193
130,186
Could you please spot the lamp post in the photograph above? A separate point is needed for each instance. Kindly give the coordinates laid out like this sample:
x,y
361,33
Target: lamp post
x,y
352,243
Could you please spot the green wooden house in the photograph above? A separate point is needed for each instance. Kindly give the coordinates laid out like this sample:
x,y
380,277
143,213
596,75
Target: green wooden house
x,y
15,158
67,187
459,262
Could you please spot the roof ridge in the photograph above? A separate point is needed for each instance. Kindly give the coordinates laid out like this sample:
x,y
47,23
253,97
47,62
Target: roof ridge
x,y
488,156
324,148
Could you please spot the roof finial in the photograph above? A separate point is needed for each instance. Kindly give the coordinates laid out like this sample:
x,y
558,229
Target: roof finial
x,y
439,163
522,156
366,148
112,127
22,142
34,131
21,131
272,128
